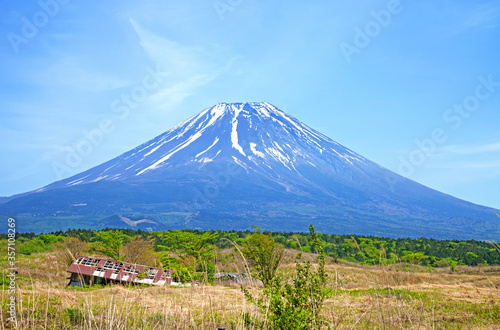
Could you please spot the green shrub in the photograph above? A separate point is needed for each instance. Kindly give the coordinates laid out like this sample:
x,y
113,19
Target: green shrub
x,y
75,316
265,255
297,305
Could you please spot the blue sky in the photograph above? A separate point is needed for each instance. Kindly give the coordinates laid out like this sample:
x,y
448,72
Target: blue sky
x,y
411,85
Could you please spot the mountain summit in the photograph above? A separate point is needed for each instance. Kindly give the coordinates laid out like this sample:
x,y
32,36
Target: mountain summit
x,y
256,136
238,164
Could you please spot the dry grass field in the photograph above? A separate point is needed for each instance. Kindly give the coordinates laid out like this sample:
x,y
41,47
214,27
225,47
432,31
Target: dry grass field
x,y
395,296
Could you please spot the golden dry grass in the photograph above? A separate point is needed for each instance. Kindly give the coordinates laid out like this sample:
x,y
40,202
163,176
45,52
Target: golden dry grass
x,y
363,297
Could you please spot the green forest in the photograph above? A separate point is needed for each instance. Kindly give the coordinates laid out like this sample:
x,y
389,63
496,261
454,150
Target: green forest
x,y
360,249
288,281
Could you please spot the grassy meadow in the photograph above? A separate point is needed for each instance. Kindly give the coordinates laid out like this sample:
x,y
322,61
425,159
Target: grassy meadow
x,y
399,295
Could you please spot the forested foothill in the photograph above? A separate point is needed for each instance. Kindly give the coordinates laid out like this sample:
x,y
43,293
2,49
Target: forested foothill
x,y
256,280
170,245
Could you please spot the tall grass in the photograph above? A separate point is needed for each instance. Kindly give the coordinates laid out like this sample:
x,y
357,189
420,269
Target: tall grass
x,y
364,297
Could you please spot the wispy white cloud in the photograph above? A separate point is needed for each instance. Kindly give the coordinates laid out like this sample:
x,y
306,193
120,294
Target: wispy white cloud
x,y
470,158
178,59
179,91
185,68
485,16
476,16
471,149
469,165
24,172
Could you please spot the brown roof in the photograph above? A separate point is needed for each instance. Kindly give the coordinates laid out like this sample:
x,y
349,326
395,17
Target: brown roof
x,y
81,269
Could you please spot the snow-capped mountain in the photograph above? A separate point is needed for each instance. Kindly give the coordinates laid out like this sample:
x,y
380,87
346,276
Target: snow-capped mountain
x,y
238,164
258,137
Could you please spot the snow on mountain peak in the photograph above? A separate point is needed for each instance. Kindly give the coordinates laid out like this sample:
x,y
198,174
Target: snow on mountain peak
x,y
255,135
253,162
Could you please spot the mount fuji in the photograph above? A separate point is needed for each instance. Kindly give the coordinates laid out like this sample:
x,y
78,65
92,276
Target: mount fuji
x,y
238,164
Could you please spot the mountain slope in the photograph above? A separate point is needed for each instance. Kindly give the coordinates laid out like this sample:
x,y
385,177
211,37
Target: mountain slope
x,y
238,164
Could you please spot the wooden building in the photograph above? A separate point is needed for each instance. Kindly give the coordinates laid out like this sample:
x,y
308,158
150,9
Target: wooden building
x,y
88,271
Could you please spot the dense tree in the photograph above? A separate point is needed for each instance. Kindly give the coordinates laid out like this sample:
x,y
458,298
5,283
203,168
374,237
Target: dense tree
x,y
110,243
195,251
191,243
264,254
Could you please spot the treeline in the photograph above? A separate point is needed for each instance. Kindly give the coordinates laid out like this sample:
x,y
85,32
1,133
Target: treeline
x,y
360,249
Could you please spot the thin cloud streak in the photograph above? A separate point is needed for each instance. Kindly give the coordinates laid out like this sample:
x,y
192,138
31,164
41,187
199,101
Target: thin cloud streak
x,y
485,16
470,150
185,69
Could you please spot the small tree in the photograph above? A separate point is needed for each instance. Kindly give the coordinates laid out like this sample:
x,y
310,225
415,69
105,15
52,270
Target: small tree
x,y
297,305
71,247
110,243
265,255
139,251
194,251
181,266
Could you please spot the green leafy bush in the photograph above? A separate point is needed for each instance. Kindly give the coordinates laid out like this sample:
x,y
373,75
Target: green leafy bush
x,y
264,254
296,305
